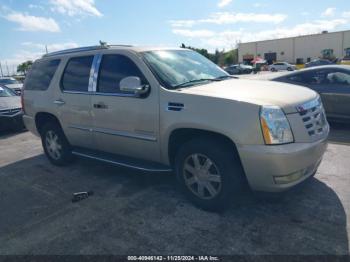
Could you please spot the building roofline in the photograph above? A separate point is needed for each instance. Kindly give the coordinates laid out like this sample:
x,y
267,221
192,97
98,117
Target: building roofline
x,y
293,37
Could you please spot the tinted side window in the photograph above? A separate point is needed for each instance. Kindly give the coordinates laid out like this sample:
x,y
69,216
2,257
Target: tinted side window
x,y
41,74
310,77
339,78
77,73
113,69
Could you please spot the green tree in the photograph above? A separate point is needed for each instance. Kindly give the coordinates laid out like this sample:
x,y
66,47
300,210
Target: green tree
x,y
221,58
24,67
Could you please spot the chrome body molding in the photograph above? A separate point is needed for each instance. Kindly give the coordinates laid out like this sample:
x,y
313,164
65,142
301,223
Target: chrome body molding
x,y
116,133
94,72
125,134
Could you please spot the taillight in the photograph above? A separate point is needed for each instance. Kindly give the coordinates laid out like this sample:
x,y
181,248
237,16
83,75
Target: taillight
x,y
22,100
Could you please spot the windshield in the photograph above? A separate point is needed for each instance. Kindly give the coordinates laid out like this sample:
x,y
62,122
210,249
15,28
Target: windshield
x,y
8,81
177,67
6,92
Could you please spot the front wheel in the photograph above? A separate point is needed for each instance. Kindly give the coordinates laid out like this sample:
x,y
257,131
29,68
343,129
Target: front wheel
x,y
55,145
209,173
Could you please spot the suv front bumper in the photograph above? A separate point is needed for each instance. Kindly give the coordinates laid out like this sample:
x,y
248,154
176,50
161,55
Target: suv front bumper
x,y
278,168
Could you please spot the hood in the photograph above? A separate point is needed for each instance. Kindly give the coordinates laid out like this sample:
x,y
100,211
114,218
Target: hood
x,y
286,96
14,86
10,102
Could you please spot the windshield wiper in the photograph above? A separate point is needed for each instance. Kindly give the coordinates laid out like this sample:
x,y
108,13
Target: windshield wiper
x,y
224,77
197,81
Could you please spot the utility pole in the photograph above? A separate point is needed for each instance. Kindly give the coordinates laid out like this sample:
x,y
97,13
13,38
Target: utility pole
x,y
1,70
46,49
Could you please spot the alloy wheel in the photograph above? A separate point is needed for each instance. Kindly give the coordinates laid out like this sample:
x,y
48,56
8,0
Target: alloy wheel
x,y
54,148
202,176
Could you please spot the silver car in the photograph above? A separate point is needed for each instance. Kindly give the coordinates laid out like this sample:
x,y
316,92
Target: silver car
x,y
12,83
10,110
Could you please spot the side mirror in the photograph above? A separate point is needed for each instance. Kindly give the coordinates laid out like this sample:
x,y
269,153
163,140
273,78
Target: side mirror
x,y
132,84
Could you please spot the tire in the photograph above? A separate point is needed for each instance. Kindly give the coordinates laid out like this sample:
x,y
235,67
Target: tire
x,y
227,176
273,70
290,69
59,153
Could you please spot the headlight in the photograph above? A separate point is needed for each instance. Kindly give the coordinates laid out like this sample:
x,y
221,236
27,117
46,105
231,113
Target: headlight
x,y
275,126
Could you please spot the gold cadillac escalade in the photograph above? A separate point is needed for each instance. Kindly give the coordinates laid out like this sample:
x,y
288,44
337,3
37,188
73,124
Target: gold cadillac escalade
x,y
163,110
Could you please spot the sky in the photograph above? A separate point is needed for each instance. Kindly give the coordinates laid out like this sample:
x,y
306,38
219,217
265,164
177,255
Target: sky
x,y
27,26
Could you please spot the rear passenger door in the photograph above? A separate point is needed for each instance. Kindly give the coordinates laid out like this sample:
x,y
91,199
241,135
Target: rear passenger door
x,y
125,124
73,101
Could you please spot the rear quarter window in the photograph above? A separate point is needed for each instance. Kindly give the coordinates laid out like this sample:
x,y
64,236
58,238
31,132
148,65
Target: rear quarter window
x,y
41,74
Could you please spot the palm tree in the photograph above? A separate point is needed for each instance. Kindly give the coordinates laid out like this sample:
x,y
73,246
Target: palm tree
x,y
24,67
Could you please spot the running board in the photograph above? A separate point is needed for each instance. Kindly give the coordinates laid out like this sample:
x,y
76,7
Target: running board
x,y
122,161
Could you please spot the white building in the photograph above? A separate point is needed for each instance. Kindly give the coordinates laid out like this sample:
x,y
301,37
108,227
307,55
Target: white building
x,y
299,49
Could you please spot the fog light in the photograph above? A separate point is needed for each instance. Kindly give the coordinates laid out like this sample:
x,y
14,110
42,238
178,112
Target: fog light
x,y
289,178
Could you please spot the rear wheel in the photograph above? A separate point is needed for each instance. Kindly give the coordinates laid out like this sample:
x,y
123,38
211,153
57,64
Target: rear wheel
x,y
209,173
55,145
273,69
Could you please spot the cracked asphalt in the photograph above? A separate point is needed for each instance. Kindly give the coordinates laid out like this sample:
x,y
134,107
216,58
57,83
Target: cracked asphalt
x,y
144,214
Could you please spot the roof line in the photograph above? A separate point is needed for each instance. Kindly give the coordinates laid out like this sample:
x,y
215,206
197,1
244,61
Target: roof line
x,y
291,37
82,49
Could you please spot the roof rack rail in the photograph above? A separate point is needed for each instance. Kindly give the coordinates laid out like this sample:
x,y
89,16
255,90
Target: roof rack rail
x,y
82,49
75,50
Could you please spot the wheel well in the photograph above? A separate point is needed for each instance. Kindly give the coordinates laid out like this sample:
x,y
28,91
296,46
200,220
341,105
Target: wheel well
x,y
181,136
42,118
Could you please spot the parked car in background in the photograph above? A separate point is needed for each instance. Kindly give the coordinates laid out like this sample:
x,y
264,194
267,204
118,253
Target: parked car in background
x,y
157,109
239,69
282,66
318,62
345,61
332,82
11,115
12,83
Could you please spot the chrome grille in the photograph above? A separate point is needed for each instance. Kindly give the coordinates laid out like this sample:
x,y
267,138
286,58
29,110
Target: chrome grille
x,y
314,117
10,112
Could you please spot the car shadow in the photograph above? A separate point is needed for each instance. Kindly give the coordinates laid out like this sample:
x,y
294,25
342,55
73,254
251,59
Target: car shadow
x,y
7,133
142,213
340,133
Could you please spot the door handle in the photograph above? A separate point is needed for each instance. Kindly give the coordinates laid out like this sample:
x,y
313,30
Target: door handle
x,y
100,106
59,102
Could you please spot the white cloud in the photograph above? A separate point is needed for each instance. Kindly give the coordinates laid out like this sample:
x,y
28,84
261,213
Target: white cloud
x,y
222,18
33,23
75,7
33,51
50,47
224,3
346,14
259,5
329,12
228,39
18,58
183,23
32,6
194,33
